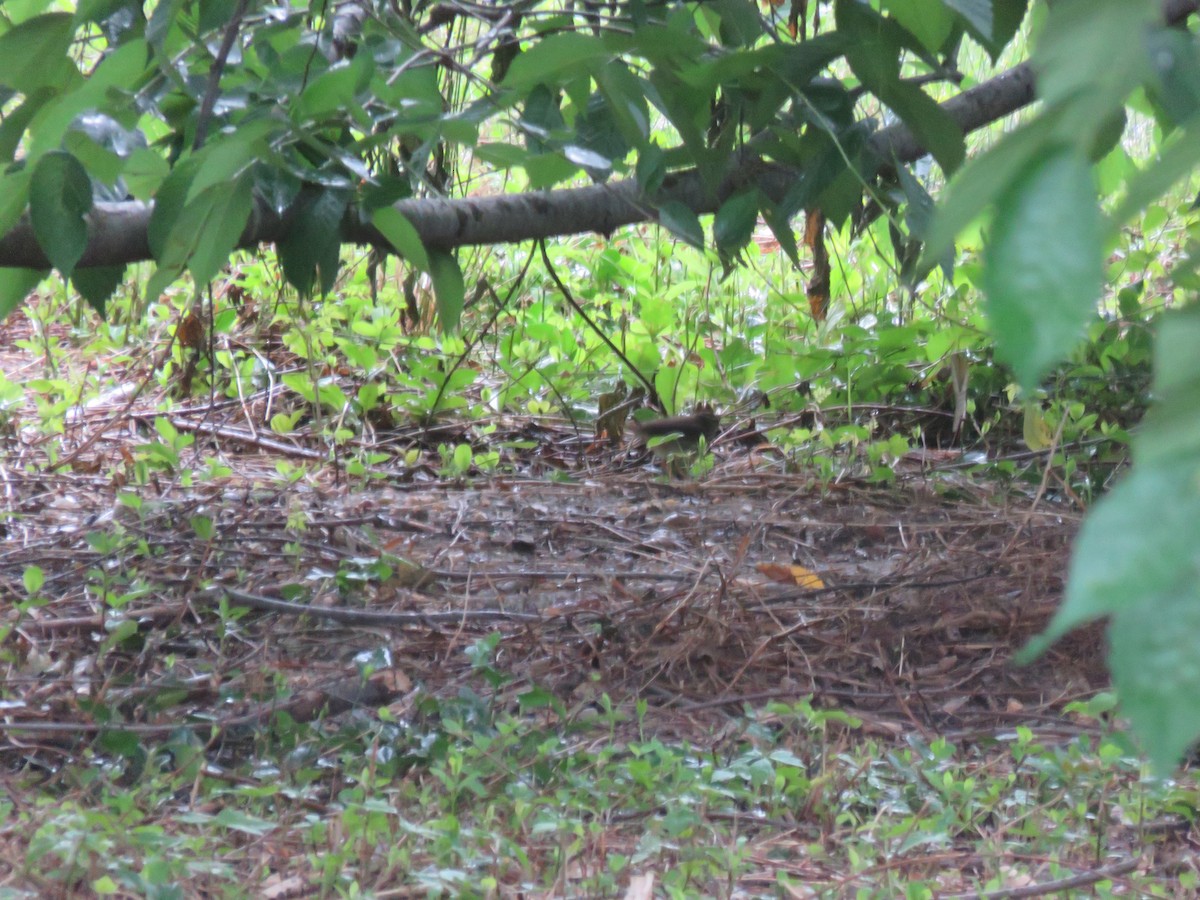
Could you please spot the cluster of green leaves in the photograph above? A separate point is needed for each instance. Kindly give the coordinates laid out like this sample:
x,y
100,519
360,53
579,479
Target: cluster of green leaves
x,y
321,117
1043,269
464,798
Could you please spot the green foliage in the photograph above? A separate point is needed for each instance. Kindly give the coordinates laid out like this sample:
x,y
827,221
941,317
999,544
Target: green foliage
x,y
318,131
438,801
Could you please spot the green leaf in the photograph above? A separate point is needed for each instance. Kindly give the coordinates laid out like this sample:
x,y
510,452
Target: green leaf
x,y
627,101
402,236
651,169
144,171
977,13
60,195
12,128
106,88
1175,91
980,182
1043,268
929,21
875,58
681,222
14,196
1006,18
168,206
36,54
335,90
448,287
216,219
312,246
590,161
164,276
566,53
548,169
934,127
1154,657
15,286
97,284
733,225
1170,431
1080,32
225,159
1135,542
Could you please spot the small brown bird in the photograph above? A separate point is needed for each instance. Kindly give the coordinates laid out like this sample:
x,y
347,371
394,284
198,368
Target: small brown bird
x,y
681,433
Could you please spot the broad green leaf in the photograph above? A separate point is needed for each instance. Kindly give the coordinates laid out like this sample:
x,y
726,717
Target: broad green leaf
x,y
14,196
415,92
448,287
548,169
651,169
15,286
627,100
733,225
402,236
143,172
977,185
99,162
164,276
1175,90
550,58
12,128
1137,541
104,89
96,285
1170,432
334,91
216,14
593,163
1006,18
216,220
225,159
681,222
1079,32
977,13
161,23
740,22
1154,656
875,58
97,10
168,205
782,229
929,21
1043,268
60,194
934,127
689,111
501,155
35,54
312,246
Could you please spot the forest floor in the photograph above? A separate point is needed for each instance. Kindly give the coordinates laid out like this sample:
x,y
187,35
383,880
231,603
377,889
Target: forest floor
x,y
216,586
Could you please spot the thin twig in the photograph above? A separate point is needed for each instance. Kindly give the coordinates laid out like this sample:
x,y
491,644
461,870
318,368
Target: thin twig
x,y
1052,887
369,617
214,75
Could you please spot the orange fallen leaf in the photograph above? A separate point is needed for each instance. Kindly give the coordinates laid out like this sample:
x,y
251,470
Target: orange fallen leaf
x,y
791,574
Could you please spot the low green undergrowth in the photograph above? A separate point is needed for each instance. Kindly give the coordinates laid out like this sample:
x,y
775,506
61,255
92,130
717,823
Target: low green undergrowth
x,y
462,797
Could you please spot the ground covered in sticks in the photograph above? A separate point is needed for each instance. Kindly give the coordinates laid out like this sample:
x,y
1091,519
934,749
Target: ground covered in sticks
x,y
222,656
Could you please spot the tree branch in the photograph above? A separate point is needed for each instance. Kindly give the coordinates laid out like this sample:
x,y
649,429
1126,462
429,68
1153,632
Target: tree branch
x,y
117,232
